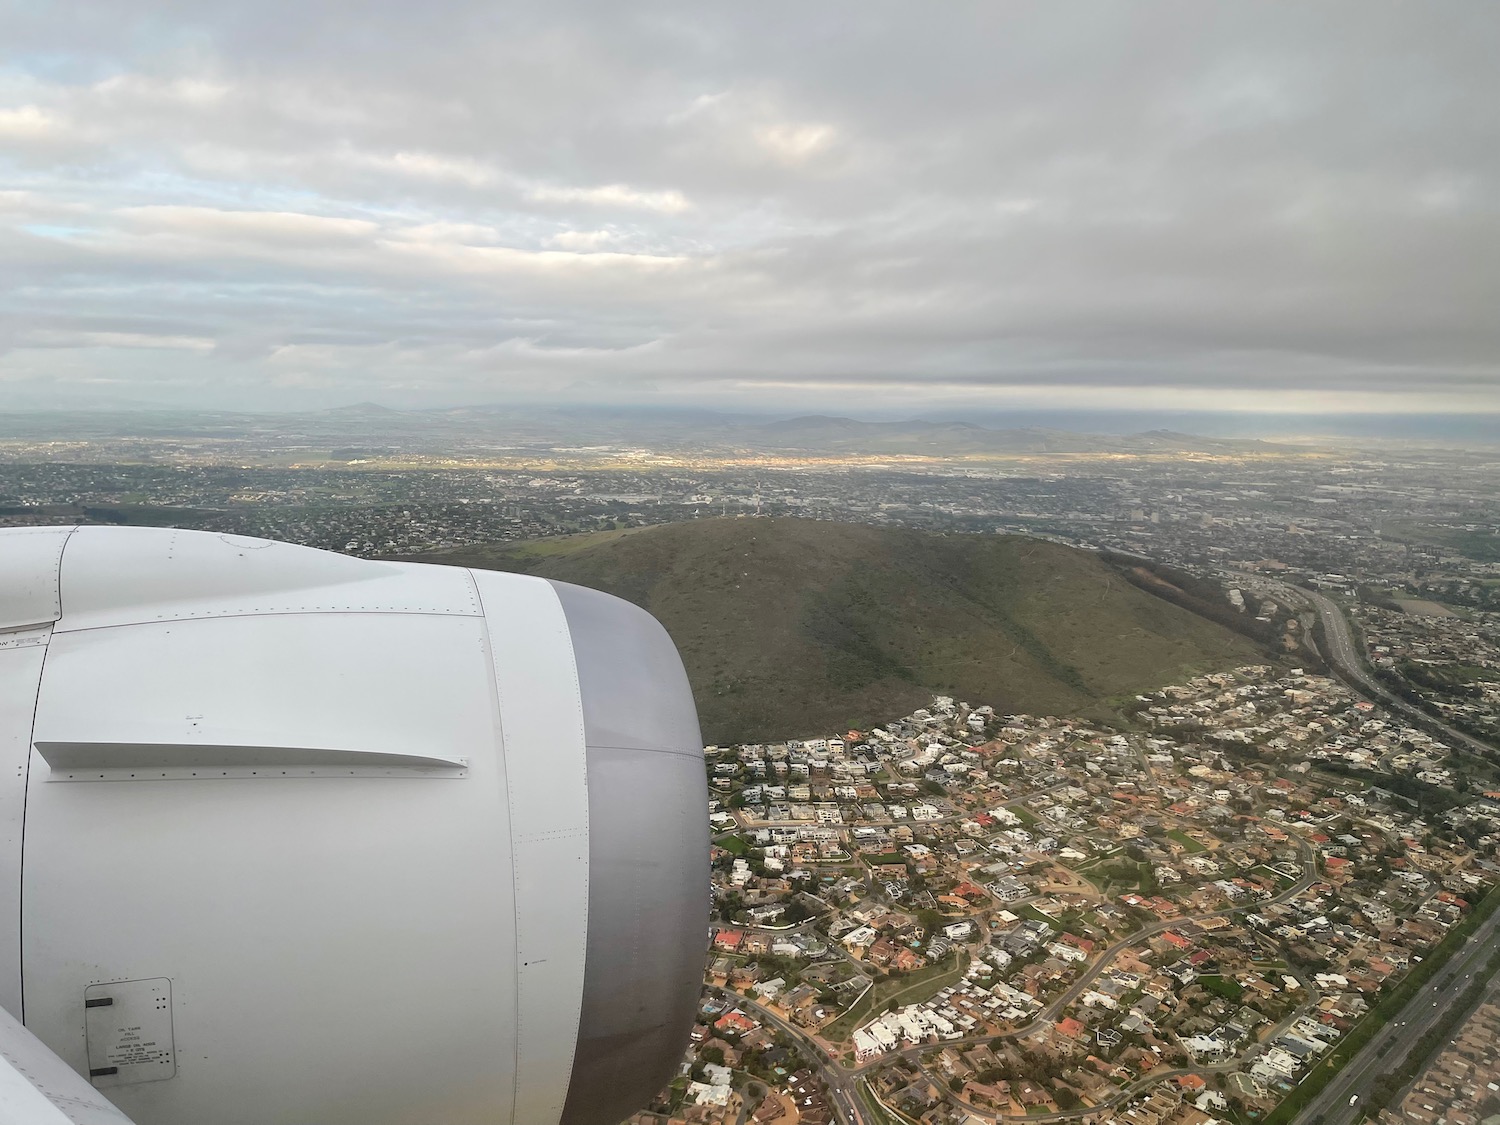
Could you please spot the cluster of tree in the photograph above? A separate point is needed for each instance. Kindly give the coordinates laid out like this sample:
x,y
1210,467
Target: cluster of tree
x,y
1403,688
1203,596
1414,680
1306,958
930,921
796,911
1038,1066
1431,800
1473,594
1320,641
780,966
1432,679
1370,595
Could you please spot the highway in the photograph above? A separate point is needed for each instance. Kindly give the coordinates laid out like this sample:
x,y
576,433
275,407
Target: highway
x,y
1387,1049
1332,1106
1347,657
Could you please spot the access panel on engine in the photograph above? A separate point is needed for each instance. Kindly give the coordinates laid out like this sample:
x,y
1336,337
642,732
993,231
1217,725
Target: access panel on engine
x,y
129,1031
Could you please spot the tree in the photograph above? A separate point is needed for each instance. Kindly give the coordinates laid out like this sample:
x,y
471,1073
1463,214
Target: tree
x,y
1148,879
1039,1066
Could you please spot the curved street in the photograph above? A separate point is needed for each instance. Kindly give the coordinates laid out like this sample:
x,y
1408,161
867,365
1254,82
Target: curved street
x,y
842,1080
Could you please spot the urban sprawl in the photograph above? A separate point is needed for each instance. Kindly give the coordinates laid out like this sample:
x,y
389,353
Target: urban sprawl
x,y
1260,895
962,915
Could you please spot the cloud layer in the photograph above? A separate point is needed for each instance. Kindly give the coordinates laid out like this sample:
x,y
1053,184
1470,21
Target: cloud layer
x,y
1238,206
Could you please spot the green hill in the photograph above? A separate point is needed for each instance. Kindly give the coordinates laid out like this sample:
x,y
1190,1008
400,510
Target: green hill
x,y
796,627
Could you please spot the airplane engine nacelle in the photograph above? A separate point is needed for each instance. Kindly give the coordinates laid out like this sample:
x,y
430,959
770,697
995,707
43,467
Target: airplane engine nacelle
x,y
291,838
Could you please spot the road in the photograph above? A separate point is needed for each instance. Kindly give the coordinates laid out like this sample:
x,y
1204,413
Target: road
x,y
843,1081
1049,1014
1134,1089
1332,1107
840,1082
1387,1049
1114,1101
1347,657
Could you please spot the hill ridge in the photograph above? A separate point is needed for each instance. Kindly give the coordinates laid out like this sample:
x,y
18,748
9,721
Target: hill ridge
x,y
789,626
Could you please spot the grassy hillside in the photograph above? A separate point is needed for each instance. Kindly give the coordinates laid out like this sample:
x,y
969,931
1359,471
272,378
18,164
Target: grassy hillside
x,y
794,627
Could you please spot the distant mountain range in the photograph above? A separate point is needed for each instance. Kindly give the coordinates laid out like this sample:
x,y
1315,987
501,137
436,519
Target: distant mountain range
x,y
474,429
797,627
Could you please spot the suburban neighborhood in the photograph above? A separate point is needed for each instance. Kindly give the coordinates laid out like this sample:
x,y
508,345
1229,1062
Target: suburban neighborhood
x,y
965,916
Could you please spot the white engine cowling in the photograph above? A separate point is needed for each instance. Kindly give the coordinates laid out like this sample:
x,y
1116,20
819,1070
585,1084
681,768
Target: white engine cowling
x,y
291,838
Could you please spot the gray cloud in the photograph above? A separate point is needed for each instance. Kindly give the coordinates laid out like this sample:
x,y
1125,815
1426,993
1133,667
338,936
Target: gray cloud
x,y
1231,206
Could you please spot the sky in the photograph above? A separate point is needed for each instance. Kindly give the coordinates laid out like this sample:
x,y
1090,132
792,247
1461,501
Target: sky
x,y
859,207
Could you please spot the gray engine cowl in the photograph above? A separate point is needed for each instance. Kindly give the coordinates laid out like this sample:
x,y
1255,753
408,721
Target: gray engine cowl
x,y
316,840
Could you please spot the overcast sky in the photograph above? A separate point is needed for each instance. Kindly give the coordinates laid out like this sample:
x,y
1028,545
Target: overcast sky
x,y
856,206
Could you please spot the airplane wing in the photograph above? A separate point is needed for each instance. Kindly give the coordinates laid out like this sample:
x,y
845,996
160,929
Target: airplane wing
x,y
38,1088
